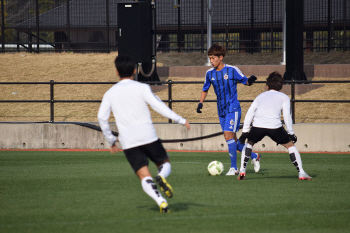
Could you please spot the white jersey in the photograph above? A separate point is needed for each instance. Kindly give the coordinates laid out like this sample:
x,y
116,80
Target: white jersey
x,y
128,101
266,112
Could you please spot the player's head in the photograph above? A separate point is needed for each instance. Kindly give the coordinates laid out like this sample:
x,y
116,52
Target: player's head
x,y
275,81
125,66
216,54
217,50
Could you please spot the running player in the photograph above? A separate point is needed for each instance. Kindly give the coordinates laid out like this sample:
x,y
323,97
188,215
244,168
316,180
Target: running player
x,y
224,79
128,101
266,112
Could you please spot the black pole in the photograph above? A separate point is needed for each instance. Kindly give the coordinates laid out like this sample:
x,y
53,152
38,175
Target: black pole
x,y
2,27
37,25
51,101
344,25
107,24
271,39
178,27
202,26
251,26
68,25
292,91
170,97
329,26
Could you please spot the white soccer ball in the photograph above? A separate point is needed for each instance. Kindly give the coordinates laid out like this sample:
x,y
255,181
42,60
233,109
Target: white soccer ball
x,y
215,168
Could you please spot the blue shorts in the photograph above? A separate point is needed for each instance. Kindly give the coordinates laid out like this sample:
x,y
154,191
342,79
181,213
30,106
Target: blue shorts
x,y
231,121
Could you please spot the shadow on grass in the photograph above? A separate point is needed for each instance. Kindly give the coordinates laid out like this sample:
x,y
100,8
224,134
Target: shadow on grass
x,y
175,207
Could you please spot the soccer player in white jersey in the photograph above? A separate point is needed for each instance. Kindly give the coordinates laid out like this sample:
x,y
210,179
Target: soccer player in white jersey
x,y
129,100
224,79
266,112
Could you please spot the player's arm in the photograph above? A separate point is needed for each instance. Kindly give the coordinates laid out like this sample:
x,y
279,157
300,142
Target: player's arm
x,y
287,117
103,116
159,106
240,77
200,104
247,121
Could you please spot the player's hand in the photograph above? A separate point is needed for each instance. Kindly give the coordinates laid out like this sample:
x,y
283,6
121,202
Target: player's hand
x,y
114,149
243,137
251,79
293,138
200,106
187,124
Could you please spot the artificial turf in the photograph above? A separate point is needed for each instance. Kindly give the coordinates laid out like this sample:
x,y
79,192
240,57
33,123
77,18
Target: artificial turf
x,y
61,191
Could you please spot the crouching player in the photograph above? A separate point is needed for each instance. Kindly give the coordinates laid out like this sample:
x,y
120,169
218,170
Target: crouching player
x,y
266,112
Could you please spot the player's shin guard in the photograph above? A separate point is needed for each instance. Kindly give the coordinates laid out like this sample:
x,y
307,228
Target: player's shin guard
x,y
240,149
232,150
246,155
296,159
164,170
151,189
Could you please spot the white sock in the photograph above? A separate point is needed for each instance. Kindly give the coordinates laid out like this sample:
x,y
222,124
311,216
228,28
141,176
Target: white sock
x,y
243,155
164,170
297,163
151,189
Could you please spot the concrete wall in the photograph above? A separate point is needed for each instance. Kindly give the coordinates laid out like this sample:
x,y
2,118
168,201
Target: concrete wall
x,y
311,137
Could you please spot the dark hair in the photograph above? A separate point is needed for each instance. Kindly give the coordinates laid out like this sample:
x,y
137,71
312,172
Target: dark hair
x,y
217,50
125,66
275,81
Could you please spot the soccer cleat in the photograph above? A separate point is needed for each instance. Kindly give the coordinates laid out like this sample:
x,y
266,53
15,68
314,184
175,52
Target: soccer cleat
x,y
165,187
232,172
304,176
164,207
256,163
241,175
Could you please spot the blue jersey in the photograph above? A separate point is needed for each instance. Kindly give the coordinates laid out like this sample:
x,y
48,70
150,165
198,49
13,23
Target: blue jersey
x,y
225,87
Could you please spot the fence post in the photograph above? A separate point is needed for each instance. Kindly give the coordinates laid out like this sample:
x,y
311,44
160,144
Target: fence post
x,y
2,27
107,25
292,91
37,25
51,101
170,97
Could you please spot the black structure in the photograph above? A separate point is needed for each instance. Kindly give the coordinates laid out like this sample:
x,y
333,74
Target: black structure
x,y
294,41
134,30
246,26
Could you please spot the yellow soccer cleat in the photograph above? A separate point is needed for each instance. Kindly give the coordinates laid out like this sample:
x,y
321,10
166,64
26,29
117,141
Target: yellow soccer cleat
x,y
165,187
164,207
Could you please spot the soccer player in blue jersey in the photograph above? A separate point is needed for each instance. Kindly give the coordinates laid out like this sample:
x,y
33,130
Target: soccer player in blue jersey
x,y
224,79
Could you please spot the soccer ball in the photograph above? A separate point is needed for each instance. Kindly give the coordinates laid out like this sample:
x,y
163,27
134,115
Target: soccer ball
x,y
215,168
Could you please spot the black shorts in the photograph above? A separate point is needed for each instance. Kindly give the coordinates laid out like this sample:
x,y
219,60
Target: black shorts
x,y
138,156
279,135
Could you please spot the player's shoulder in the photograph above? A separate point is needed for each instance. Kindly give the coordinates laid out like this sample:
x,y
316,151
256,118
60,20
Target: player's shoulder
x,y
234,68
210,70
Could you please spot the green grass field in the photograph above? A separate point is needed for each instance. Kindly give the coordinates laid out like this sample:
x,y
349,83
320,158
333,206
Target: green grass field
x,y
52,191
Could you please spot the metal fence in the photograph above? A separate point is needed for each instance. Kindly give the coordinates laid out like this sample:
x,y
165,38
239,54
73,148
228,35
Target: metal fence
x,y
170,100
242,26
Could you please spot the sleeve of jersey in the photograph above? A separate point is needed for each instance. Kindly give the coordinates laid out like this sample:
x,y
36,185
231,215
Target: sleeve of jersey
x,y
287,116
159,106
207,82
239,76
103,115
249,117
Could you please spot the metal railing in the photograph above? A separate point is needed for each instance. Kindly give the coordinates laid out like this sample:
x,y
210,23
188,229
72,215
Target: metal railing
x,y
170,99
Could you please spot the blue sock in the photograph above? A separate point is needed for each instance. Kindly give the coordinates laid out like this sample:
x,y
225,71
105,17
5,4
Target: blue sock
x,y
240,148
232,150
